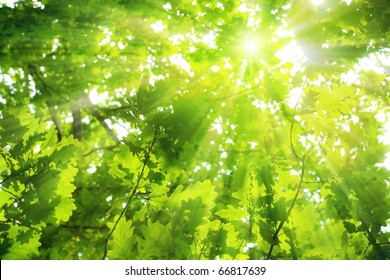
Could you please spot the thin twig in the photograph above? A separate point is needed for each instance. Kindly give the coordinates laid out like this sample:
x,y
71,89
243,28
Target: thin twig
x,y
373,242
302,160
5,179
7,190
300,184
239,247
133,193
100,148
202,249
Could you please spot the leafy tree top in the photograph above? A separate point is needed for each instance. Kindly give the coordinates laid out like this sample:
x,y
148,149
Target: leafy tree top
x,y
194,129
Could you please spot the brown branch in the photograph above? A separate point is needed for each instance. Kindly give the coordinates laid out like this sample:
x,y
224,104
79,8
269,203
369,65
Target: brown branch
x,y
133,193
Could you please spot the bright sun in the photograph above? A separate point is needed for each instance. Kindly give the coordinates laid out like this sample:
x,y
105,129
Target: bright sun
x,y
317,2
251,46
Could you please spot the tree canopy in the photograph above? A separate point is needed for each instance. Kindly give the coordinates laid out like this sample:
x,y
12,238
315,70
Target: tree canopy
x,y
195,129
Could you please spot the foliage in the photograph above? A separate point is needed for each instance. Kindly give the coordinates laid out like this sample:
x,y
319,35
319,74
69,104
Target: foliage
x,y
200,129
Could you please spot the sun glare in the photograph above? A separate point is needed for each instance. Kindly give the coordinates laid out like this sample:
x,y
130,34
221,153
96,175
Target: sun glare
x,y
317,2
251,46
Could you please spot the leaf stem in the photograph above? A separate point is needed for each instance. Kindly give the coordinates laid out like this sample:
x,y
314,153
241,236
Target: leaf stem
x,y
300,184
302,161
133,193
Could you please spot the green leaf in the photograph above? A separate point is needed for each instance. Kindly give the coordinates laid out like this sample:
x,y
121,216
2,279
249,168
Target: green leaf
x,y
122,241
204,189
265,175
156,241
191,215
267,233
201,97
127,159
25,243
232,213
12,131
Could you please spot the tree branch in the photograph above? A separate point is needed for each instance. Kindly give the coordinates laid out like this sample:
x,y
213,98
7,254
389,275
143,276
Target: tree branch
x,y
100,148
76,124
56,122
279,228
76,110
302,161
376,246
133,193
95,113
47,89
